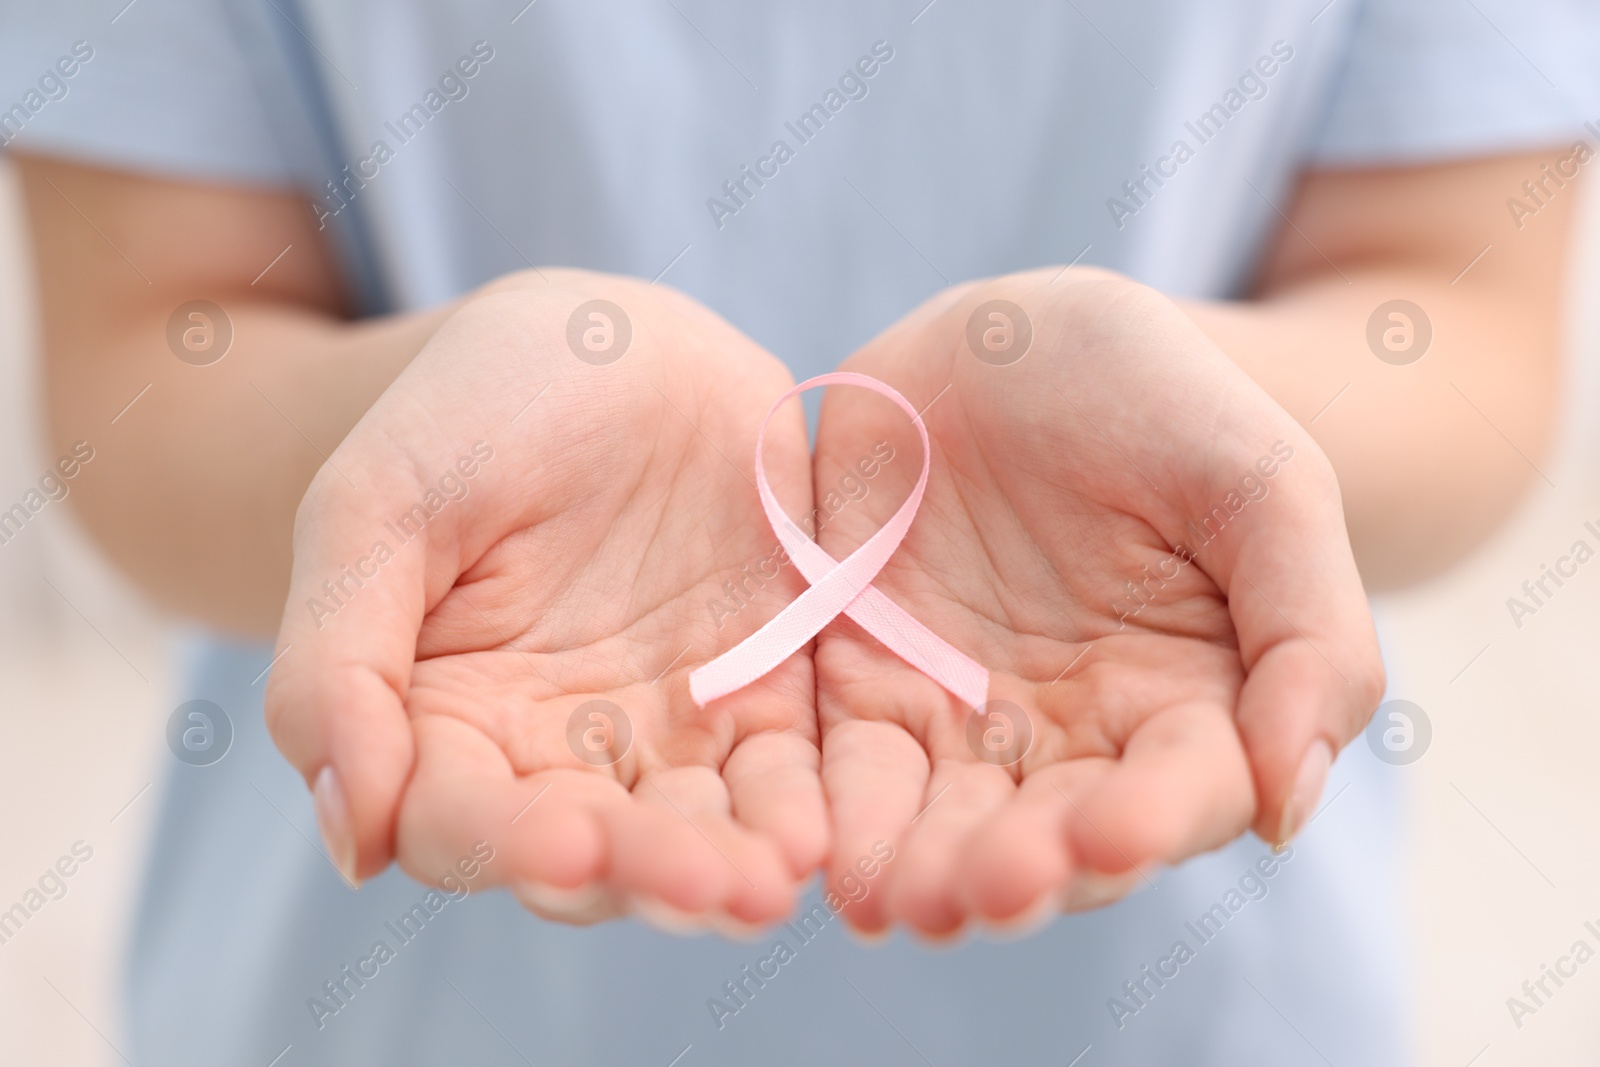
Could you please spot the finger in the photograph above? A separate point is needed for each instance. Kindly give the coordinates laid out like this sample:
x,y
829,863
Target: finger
x,y
335,697
683,861
774,782
1018,861
559,851
923,883
1314,672
1018,871
546,832
875,775
1182,786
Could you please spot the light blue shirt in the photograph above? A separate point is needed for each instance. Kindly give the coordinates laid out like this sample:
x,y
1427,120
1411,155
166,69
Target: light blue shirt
x,y
922,145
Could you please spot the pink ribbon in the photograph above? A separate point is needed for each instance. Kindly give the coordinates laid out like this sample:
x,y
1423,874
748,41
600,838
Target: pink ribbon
x,y
841,587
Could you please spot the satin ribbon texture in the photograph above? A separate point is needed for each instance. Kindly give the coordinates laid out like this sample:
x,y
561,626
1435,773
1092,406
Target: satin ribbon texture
x,y
841,587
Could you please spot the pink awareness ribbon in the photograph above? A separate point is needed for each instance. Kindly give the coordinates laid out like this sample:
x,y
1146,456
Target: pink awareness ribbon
x,y
841,587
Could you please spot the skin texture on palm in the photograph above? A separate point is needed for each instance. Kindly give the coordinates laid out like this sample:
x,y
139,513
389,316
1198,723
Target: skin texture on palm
x,y
581,564
1158,733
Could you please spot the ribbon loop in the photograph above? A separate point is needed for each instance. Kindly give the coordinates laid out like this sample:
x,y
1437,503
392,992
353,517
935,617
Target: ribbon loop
x,y
841,587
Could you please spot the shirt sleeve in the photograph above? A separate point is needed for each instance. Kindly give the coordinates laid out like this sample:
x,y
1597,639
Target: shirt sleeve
x,y
199,89
1428,80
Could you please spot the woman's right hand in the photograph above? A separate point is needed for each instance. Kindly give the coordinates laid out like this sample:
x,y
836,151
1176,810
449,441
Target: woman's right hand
x,y
579,479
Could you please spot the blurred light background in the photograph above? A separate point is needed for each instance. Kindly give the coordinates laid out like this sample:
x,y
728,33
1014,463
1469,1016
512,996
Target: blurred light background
x,y
1503,821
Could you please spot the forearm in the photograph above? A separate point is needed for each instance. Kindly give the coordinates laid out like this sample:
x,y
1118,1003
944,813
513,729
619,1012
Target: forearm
x,y
194,486
1431,454
200,457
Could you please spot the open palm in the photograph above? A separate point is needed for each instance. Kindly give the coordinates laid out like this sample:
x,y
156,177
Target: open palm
x,y
516,673
1128,725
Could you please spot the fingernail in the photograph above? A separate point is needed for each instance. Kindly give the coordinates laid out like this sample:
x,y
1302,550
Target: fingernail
x,y
333,817
668,919
581,905
1308,783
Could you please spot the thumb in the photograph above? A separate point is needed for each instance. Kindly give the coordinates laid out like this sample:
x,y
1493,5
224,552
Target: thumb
x,y
335,702
1314,670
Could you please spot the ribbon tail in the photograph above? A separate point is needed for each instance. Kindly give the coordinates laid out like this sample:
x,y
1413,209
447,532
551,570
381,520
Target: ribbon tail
x,y
900,631
961,675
